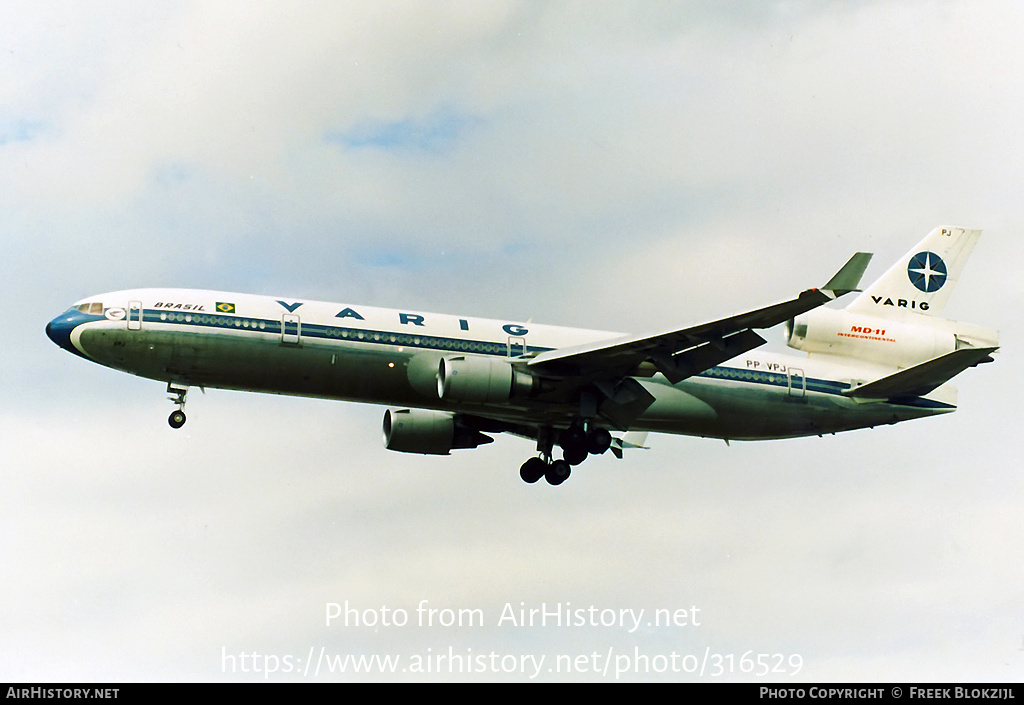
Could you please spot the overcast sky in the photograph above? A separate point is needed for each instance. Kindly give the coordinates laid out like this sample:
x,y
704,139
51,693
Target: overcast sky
x,y
616,165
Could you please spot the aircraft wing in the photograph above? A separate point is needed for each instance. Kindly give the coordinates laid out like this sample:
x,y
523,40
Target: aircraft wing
x,y
684,352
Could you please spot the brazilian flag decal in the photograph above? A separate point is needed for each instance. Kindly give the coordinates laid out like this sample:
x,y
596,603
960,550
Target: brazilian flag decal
x,y
225,308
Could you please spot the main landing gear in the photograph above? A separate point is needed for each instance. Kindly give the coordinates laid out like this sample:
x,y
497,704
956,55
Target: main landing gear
x,y
535,468
577,442
177,417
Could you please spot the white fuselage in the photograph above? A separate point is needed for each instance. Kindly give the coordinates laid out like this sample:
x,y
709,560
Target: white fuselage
x,y
387,356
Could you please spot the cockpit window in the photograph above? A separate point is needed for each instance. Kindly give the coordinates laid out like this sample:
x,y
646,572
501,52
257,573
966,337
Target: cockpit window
x,y
91,307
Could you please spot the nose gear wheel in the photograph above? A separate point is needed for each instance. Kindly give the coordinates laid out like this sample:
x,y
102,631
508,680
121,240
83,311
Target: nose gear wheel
x,y
177,417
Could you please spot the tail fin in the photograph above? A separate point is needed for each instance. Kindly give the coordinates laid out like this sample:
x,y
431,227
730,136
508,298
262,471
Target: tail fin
x,y
921,281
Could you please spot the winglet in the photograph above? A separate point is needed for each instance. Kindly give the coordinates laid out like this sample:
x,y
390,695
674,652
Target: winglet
x,y
847,279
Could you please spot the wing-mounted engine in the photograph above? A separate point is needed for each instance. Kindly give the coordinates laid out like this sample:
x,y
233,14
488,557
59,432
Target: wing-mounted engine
x,y
883,340
428,432
470,378
480,379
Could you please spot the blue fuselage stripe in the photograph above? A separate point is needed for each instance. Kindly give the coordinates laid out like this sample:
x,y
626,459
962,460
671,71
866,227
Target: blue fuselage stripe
x,y
328,332
234,323
60,330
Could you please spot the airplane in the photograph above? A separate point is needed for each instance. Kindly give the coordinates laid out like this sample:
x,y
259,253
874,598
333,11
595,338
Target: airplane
x,y
451,380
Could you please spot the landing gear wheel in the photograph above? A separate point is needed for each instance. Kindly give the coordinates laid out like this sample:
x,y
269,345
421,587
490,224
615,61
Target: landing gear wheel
x,y
532,470
178,393
572,436
574,455
599,440
557,472
176,419
574,445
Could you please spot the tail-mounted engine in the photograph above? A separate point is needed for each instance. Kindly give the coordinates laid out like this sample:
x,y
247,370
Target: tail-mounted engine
x,y
873,339
428,432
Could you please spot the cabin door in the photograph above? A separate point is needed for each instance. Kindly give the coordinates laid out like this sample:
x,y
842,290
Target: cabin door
x,y
134,315
516,346
291,329
797,383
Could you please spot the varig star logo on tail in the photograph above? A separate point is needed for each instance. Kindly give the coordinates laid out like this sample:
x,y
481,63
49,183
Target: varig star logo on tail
x,y
927,271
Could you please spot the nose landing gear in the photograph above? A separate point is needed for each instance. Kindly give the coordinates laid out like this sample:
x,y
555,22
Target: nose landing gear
x,y
177,417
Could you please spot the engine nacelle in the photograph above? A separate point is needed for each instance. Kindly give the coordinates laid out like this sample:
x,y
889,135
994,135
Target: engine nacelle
x,y
882,340
428,432
480,379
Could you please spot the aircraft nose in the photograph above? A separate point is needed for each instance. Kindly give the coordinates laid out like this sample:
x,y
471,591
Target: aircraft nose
x,y
59,330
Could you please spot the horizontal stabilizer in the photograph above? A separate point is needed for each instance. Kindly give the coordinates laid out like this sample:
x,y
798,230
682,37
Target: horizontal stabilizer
x,y
920,379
